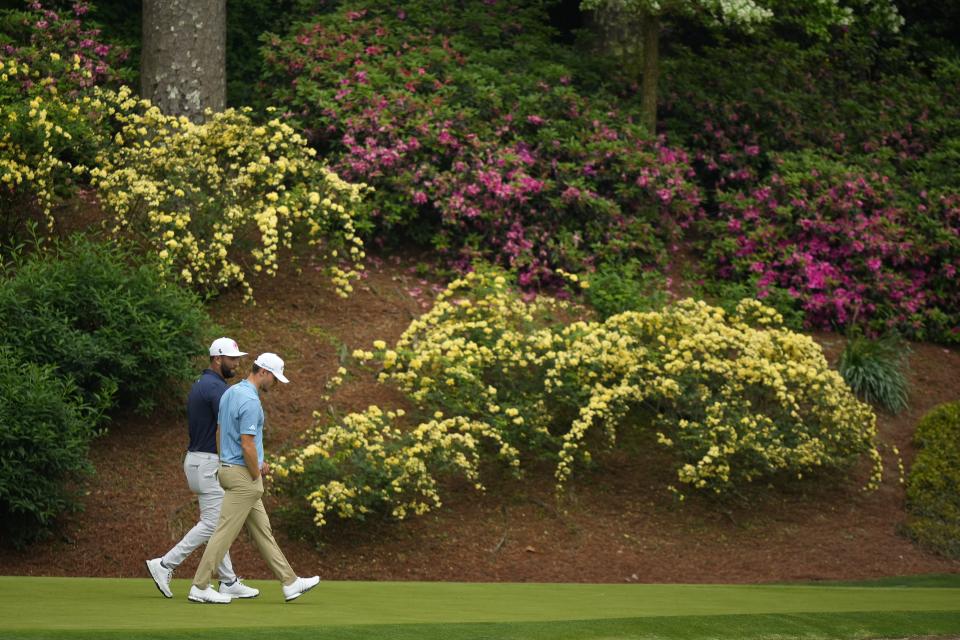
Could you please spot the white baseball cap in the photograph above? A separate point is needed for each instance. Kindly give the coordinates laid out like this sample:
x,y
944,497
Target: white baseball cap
x,y
272,363
225,347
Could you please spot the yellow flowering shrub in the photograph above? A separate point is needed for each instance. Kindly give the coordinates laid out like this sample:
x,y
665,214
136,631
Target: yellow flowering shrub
x,y
367,464
217,199
734,399
43,143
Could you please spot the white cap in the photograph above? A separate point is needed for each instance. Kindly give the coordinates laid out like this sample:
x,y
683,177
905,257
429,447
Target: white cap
x,y
272,363
225,347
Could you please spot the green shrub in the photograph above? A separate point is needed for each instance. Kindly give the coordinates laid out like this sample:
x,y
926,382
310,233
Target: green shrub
x,y
112,325
933,488
615,288
874,370
43,445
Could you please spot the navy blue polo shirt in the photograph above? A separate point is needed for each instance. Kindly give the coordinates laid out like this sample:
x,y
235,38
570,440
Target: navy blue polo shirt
x,y
203,406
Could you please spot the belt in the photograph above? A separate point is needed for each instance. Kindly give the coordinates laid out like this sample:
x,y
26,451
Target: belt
x,y
203,454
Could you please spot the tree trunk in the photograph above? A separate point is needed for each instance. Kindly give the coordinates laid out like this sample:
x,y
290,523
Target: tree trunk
x,y
183,62
651,72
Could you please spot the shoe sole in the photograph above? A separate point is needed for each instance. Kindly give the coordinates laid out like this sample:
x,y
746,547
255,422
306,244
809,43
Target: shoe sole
x,y
202,601
294,597
157,582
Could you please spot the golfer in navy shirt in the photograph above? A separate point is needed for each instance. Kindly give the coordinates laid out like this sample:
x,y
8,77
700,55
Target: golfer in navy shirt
x,y
200,465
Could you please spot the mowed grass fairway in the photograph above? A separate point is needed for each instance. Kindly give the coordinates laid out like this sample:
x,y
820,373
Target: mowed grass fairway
x,y
132,608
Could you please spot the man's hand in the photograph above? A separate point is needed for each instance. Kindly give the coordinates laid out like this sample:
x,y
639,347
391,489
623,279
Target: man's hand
x,y
264,469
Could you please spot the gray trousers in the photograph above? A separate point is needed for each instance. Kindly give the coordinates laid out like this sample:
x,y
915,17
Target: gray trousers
x,y
201,471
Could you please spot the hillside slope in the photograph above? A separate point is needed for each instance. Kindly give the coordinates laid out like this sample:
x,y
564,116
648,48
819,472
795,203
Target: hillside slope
x,y
616,524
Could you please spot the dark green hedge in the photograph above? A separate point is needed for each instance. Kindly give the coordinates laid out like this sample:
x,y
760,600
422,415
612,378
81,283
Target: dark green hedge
x,y
83,328
933,489
103,319
46,428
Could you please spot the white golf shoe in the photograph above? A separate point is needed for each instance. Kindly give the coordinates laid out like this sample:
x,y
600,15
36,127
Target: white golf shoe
x,y
238,590
299,587
207,596
161,576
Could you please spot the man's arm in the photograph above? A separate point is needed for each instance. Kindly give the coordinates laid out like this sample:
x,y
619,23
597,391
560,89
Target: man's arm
x,y
246,417
250,455
214,400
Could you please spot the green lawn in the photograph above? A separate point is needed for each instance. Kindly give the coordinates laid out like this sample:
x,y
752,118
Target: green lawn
x,y
129,608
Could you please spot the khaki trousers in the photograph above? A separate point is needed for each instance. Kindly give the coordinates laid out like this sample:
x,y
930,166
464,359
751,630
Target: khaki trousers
x,y
242,505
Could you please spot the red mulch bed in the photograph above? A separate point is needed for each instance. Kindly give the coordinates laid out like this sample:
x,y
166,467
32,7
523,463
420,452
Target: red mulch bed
x,y
617,523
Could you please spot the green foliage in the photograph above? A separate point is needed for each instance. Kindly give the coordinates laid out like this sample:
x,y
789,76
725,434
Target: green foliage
x,y
871,103
933,488
615,288
874,369
43,444
818,18
747,13
727,295
104,320
246,21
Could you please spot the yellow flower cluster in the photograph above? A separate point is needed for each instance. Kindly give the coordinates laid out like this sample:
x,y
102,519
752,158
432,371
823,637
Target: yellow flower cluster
x,y
218,198
32,132
365,463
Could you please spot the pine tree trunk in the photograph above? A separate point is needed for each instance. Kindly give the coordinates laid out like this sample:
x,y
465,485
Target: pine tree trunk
x,y
651,72
183,63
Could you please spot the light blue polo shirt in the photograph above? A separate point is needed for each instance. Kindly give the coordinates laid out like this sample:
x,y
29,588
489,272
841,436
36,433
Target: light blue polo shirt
x,y
240,414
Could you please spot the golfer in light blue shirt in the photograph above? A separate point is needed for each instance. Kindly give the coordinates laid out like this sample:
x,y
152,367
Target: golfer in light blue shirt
x,y
241,475
240,414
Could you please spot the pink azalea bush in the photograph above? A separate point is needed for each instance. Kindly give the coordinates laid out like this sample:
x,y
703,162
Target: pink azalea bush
x,y
63,54
516,166
836,192
841,244
819,190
